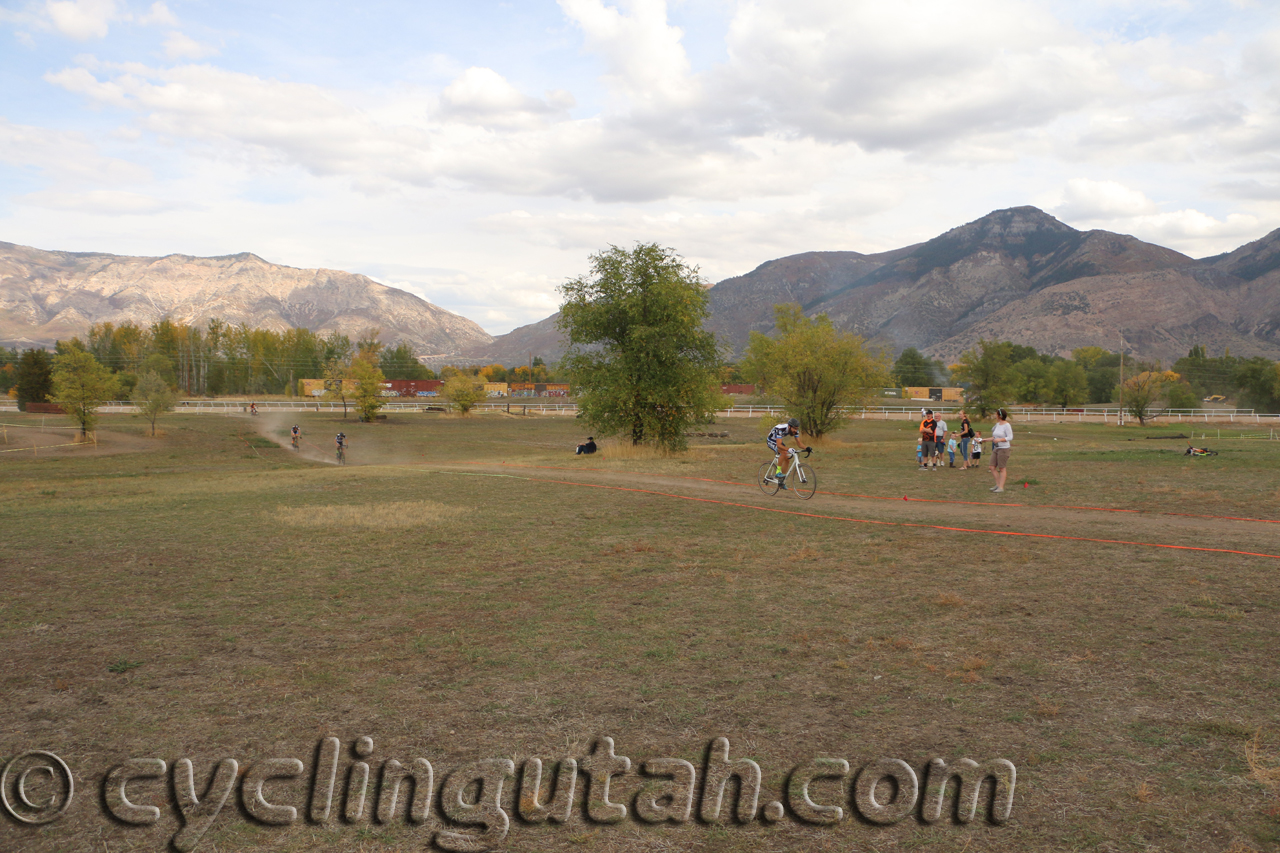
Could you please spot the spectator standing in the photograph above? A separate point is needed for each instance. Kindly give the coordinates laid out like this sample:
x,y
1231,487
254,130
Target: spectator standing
x,y
976,450
951,451
966,436
928,427
939,439
919,453
1001,444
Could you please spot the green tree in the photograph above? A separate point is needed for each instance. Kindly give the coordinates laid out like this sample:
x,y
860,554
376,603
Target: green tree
x,y
34,379
153,396
399,362
986,368
638,355
1180,395
1259,380
1144,390
814,368
1070,384
1031,381
8,369
463,391
914,370
366,382
80,385
337,385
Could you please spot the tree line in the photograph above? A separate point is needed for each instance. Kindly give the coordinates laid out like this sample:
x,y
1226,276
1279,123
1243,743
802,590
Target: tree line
x,y
220,358
997,373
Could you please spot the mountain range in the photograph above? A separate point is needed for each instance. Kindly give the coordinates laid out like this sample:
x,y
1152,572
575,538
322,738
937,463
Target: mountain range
x,y
49,295
1016,274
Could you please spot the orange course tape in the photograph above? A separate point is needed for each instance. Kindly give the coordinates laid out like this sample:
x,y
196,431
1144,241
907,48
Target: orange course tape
x,y
939,500
905,523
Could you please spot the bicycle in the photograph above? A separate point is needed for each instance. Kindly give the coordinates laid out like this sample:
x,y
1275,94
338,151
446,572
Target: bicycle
x,y
804,483
342,454
296,446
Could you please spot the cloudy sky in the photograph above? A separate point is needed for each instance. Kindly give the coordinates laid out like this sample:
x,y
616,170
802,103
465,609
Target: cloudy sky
x,y
476,153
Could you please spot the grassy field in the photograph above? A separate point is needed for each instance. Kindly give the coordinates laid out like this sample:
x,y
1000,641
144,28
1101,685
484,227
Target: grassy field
x,y
468,589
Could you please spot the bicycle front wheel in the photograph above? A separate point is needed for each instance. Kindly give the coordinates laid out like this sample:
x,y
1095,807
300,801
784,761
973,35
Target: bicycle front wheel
x,y
769,488
805,483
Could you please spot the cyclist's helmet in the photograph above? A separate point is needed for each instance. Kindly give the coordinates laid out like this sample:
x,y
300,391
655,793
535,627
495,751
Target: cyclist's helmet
x,y
342,435
794,423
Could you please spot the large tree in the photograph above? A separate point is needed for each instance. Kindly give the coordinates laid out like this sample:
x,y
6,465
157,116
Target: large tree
x,y
986,368
34,379
366,381
814,368
1070,384
153,396
1143,391
463,391
913,369
80,385
640,360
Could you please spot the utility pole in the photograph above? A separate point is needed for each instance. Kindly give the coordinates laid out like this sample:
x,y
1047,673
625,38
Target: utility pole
x,y
1121,416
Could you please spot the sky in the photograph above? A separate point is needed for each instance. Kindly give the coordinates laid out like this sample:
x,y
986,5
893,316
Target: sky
x,y
477,153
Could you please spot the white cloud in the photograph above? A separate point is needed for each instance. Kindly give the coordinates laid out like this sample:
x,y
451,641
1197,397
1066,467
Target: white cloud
x,y
104,202
82,19
482,96
180,46
643,54
64,157
1088,200
159,15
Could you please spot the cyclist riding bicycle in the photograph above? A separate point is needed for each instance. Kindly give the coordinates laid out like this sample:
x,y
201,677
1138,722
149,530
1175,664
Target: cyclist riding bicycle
x,y
340,441
295,432
775,440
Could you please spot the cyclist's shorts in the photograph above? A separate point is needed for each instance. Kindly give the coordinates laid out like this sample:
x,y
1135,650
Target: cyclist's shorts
x,y
773,443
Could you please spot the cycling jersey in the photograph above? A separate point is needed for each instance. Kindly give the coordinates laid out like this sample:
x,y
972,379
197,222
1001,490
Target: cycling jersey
x,y
780,431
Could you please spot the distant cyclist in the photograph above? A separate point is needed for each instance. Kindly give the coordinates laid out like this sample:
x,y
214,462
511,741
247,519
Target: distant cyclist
x,y
776,441
253,408
296,434
340,441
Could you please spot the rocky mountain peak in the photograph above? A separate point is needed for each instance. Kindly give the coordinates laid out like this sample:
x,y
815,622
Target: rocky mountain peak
x,y
1252,260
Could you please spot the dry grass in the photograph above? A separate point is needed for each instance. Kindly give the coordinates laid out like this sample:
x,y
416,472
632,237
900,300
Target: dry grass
x,y
1263,759
514,614
378,516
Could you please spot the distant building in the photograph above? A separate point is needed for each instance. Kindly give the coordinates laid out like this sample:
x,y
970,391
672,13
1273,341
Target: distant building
x,y
936,395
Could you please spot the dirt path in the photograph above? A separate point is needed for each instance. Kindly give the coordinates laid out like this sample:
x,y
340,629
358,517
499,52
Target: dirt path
x,y
1257,537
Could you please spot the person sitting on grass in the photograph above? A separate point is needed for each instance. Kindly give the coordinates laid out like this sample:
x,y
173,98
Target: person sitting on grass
x,y
588,446
776,441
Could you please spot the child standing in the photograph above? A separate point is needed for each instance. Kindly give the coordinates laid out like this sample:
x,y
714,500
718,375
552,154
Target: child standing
x,y
951,451
977,447
919,455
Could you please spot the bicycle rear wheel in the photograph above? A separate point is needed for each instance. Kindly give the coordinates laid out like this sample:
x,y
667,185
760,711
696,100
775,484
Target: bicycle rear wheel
x,y
765,486
805,483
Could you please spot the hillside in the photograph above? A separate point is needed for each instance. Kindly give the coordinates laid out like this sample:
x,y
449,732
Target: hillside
x,y
46,295
1017,274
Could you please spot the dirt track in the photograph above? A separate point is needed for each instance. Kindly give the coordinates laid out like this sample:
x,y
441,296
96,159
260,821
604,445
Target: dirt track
x,y
1258,536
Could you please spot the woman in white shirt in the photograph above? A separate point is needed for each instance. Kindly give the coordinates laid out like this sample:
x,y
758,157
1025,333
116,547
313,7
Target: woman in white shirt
x,y
1001,444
